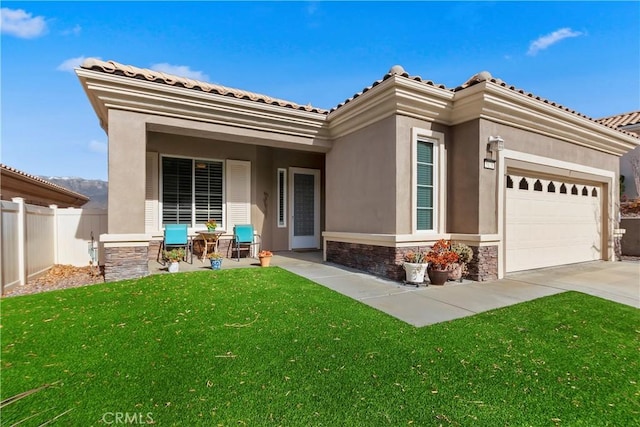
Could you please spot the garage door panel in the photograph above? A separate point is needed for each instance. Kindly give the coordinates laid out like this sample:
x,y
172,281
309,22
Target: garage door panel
x,y
546,228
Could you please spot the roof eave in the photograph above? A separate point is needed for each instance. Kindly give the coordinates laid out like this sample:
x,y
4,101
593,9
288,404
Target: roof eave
x,y
109,91
41,188
503,105
396,95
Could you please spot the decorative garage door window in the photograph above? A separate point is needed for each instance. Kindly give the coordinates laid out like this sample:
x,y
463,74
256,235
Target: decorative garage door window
x,y
524,183
551,222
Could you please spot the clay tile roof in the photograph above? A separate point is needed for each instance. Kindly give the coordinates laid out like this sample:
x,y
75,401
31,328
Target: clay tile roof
x,y
112,67
486,76
621,120
395,70
4,168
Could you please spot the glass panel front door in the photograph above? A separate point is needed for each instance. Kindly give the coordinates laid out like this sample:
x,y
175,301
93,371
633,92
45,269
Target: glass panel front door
x,y
305,208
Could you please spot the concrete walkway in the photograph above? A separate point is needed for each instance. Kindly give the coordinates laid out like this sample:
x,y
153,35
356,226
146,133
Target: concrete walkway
x,y
426,305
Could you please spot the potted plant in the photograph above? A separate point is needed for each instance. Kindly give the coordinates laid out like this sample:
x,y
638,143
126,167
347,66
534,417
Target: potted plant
x,y
459,269
211,225
415,265
216,260
265,258
174,256
440,259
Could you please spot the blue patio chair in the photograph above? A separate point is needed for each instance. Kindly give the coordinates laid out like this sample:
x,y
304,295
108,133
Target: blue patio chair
x,y
244,238
176,236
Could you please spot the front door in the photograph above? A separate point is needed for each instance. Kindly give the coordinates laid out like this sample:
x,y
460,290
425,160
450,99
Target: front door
x,y
305,208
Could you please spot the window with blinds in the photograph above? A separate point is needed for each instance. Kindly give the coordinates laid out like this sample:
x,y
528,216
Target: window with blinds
x,y
192,191
208,191
424,186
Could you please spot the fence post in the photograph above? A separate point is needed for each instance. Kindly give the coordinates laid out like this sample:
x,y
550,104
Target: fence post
x,y
22,237
56,249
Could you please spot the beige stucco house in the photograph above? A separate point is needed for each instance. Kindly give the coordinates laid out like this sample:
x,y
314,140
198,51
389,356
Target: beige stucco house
x,y
525,182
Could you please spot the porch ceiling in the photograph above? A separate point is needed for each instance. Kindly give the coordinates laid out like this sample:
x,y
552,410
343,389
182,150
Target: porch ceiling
x,y
224,132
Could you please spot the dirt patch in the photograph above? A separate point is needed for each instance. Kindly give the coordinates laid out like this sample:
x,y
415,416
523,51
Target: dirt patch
x,y
60,277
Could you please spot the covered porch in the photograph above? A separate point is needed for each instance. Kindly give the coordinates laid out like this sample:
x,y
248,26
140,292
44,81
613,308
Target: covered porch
x,y
184,152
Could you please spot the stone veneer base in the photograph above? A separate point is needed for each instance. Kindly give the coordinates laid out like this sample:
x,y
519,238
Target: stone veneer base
x,y
126,262
385,261
484,264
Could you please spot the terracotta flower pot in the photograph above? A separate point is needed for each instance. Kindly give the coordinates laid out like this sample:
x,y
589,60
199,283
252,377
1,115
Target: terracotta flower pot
x,y
265,261
437,277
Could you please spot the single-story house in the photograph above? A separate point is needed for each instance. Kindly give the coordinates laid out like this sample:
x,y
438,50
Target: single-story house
x,y
629,122
35,190
525,182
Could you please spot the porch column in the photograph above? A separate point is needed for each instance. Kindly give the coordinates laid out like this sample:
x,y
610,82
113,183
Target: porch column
x,y
127,146
126,245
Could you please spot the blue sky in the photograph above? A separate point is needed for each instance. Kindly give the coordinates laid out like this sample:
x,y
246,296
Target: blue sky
x,y
583,55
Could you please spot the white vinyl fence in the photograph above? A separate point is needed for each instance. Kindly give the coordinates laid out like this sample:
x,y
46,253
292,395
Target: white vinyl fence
x,y
34,238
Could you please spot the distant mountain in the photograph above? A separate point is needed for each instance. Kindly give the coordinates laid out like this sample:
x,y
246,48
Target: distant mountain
x,y
95,189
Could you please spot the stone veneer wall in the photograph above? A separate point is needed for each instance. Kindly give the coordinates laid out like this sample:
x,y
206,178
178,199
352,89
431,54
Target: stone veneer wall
x,y
387,261
154,247
381,261
484,264
126,262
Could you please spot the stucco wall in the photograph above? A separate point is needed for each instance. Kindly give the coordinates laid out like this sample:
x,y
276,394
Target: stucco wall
x,y
541,145
369,176
127,132
463,179
361,180
200,148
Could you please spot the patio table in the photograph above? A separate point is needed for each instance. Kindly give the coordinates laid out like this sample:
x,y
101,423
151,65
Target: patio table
x,y
210,238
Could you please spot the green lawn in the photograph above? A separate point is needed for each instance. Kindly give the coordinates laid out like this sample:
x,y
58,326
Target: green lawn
x,y
265,347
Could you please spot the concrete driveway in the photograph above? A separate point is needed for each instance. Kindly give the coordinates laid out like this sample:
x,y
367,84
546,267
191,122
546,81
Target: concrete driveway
x,y
615,281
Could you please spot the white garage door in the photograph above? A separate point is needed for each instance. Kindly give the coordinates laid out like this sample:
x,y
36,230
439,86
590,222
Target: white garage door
x,y
551,222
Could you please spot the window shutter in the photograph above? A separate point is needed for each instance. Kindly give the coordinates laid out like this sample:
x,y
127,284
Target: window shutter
x,y
238,177
151,222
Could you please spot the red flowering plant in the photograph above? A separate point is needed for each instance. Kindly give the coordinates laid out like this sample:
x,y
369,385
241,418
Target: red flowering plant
x,y
441,257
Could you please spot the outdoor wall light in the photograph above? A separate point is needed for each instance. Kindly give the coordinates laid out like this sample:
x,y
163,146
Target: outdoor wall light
x,y
495,143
